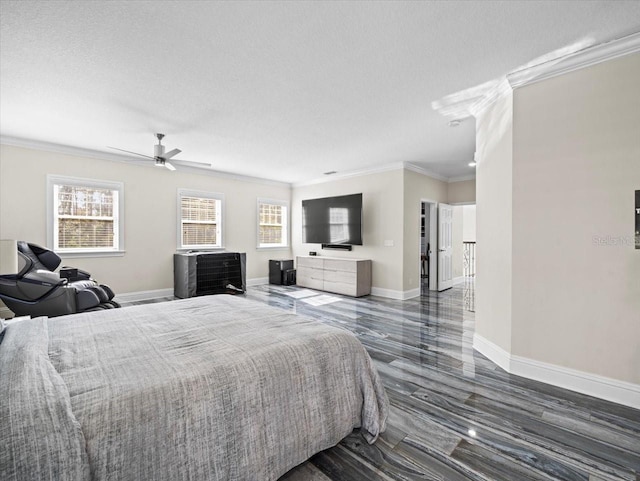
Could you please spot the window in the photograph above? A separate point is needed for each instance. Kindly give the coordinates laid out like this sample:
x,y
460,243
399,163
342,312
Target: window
x,y
199,219
84,215
273,222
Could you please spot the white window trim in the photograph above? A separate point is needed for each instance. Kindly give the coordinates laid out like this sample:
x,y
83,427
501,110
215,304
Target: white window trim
x,y
207,195
287,234
118,221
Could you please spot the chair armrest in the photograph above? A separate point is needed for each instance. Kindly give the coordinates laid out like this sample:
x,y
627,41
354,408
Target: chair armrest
x,y
74,274
86,299
44,277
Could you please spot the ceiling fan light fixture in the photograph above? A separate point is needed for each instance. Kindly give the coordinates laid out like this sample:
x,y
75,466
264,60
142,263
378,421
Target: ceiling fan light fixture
x,y
158,150
160,157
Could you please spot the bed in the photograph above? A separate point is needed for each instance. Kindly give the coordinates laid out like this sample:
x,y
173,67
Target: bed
x,y
208,388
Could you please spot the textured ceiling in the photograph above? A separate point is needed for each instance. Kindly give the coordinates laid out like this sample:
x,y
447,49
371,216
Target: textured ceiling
x,y
280,90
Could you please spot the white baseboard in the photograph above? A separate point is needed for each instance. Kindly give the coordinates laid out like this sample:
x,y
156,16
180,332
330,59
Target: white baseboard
x,y
492,351
143,295
411,293
393,294
602,387
153,294
259,281
458,280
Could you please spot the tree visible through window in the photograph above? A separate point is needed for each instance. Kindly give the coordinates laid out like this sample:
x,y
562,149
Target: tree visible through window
x,y
200,220
272,224
85,216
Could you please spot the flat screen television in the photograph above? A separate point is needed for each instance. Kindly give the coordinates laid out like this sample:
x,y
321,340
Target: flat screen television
x,y
332,220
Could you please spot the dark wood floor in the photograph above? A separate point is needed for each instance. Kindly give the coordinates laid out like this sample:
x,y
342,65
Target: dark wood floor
x,y
454,414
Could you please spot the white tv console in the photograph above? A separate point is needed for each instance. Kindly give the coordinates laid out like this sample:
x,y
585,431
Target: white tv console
x,y
351,277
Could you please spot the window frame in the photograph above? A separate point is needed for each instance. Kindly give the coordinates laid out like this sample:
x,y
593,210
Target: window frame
x,y
219,224
286,223
52,216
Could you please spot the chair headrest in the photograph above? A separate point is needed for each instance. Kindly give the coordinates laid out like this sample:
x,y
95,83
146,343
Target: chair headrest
x,y
41,257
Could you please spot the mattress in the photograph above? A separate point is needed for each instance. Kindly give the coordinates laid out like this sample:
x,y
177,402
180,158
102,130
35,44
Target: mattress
x,y
214,387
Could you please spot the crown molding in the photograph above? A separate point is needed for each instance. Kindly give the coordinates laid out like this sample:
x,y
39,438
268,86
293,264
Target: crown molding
x,y
61,149
461,178
578,60
423,171
190,168
373,170
193,168
473,101
351,173
184,166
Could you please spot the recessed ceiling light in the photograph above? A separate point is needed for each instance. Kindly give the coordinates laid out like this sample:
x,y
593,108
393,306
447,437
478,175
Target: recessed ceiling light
x,y
474,161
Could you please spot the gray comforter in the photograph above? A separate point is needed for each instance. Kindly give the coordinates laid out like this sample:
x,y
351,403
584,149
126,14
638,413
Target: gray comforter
x,y
212,388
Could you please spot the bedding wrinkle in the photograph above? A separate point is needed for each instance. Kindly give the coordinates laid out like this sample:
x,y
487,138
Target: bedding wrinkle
x,y
39,434
216,388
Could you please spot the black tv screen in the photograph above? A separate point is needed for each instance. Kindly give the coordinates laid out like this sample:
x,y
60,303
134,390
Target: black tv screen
x,y
332,220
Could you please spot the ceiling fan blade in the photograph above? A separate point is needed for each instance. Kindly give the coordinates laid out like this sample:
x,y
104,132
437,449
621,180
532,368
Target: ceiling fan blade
x,y
129,152
171,153
169,166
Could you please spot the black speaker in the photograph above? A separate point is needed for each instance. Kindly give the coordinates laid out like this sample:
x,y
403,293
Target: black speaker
x,y
289,277
277,270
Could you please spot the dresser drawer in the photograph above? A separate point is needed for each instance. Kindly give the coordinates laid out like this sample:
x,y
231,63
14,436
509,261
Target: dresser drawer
x,y
309,272
313,262
340,265
348,289
310,282
351,277
340,276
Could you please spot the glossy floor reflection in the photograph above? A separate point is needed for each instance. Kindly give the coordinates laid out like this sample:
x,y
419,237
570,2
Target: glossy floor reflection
x,y
454,414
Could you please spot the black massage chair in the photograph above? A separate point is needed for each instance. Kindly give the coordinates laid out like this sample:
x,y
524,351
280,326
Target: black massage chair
x,y
38,291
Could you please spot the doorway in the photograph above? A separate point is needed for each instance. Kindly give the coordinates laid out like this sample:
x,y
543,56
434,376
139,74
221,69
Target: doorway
x,y
447,245
428,242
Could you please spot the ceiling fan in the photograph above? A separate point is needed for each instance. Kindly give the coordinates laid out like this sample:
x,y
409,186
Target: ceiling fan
x,y
160,157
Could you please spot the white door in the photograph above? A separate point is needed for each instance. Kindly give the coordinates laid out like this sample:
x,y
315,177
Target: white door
x,y
445,269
